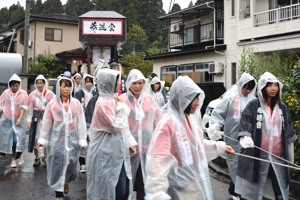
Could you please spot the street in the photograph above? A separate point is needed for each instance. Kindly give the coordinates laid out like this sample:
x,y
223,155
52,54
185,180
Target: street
x,y
26,182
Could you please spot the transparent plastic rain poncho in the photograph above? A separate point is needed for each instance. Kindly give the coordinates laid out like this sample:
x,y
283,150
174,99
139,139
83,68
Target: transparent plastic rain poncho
x,y
276,134
37,103
143,117
77,87
227,113
63,133
11,105
158,96
178,155
110,140
85,96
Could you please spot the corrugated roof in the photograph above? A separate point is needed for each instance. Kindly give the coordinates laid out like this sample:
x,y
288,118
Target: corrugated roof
x,y
102,14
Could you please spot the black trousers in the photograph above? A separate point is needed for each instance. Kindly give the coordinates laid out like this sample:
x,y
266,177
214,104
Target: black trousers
x,y
275,184
139,184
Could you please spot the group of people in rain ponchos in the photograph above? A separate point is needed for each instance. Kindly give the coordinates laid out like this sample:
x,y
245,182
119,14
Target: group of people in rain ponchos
x,y
259,127
133,145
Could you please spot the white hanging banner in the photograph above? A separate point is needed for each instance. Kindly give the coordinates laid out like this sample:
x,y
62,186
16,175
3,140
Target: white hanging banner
x,y
106,27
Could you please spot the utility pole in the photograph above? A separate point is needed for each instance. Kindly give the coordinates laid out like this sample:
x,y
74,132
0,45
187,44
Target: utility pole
x,y
26,36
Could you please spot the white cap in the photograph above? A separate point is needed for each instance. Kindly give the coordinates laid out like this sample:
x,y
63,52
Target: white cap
x,y
67,74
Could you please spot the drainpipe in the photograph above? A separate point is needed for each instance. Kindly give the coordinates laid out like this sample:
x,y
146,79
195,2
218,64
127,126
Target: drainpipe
x,y
225,66
214,23
214,28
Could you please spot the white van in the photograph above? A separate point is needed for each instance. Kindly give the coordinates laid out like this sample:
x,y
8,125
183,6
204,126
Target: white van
x,y
210,107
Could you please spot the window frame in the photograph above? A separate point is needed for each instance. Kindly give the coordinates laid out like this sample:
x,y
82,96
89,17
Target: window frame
x,y
53,34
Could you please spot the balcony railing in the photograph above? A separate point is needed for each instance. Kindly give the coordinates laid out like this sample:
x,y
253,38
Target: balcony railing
x,y
277,15
196,35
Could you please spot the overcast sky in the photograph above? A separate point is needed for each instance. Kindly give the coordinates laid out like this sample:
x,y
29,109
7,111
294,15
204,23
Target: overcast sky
x,y
166,3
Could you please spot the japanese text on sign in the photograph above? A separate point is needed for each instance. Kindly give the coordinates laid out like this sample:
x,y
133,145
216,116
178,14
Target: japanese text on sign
x,y
102,27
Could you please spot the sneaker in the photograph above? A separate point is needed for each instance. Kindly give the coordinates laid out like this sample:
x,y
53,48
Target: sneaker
x,y
59,198
37,162
13,163
235,197
82,168
20,160
66,188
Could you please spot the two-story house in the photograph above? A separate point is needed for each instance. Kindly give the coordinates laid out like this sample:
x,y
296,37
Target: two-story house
x,y
52,33
205,41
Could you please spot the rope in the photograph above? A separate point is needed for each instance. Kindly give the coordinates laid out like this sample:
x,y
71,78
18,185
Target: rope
x,y
295,165
268,161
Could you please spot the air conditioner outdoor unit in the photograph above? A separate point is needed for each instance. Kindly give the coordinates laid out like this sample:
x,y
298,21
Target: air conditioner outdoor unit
x,y
216,68
176,27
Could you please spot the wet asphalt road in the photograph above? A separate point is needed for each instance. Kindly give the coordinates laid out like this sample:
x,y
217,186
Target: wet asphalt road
x,y
28,183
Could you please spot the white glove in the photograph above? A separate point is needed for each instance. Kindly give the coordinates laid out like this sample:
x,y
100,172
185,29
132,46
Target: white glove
x,y
214,132
83,143
246,142
291,152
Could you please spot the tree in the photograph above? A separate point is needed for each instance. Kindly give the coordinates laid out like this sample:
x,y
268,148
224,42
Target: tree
x,y
135,61
137,36
53,6
155,47
78,7
176,7
16,12
148,18
106,5
36,7
4,18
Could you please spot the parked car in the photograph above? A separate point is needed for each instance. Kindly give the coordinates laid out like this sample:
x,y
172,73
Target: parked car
x,y
210,107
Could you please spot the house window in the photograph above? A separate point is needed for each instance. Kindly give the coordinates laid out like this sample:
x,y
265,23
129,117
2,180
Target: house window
x,y
189,35
244,9
168,73
232,8
201,73
22,32
206,32
52,34
233,73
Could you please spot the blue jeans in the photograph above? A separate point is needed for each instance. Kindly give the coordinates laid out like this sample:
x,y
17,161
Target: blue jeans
x,y
14,147
122,187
